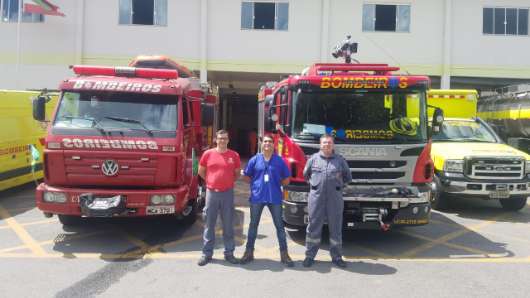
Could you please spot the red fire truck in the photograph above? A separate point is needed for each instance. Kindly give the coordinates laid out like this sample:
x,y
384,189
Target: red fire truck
x,y
379,120
125,141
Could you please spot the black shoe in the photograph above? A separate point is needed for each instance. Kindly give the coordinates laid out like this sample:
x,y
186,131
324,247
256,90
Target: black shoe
x,y
231,259
204,260
248,257
339,262
286,259
308,262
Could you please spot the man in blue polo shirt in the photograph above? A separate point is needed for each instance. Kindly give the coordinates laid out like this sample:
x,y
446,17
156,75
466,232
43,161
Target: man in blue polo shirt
x,y
266,172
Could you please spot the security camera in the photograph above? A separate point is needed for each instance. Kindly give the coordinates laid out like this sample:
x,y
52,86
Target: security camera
x,y
345,49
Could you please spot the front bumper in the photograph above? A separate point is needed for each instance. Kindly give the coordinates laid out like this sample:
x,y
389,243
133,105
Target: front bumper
x,y
134,203
463,187
369,212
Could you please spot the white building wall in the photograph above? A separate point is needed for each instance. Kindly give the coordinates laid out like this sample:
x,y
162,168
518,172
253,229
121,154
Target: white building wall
x,y
90,34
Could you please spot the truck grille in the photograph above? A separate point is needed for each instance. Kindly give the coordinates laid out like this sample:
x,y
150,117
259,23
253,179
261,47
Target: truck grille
x,y
495,168
377,169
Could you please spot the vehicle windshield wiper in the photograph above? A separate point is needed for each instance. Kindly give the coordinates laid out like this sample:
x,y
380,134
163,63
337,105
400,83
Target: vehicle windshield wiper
x,y
306,136
95,122
127,120
462,140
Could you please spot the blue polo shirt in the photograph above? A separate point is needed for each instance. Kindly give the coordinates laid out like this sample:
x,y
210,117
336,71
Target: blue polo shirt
x,y
266,192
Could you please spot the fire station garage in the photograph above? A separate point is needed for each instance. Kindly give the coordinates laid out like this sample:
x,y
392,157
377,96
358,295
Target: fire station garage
x,y
238,107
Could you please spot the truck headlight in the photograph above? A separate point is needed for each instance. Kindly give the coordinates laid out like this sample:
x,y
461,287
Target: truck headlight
x,y
54,197
162,199
295,196
454,166
156,200
169,199
527,167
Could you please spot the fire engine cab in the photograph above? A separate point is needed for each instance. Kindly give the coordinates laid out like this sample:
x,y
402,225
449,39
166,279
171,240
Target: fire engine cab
x,y
124,141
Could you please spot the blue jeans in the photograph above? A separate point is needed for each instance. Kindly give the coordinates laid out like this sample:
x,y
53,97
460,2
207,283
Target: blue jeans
x,y
255,215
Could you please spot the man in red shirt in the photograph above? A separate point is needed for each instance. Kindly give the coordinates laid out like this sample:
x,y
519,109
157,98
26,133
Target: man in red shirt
x,y
219,167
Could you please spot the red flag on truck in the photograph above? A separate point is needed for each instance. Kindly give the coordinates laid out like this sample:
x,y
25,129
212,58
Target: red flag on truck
x,y
43,7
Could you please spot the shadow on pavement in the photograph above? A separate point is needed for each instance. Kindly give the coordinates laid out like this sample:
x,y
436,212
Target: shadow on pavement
x,y
139,236
442,238
19,199
486,210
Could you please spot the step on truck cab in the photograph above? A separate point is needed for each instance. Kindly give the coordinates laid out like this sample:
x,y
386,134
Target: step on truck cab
x,y
125,141
379,120
471,160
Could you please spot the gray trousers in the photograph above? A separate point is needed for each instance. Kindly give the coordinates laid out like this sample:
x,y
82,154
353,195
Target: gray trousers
x,y
219,203
324,204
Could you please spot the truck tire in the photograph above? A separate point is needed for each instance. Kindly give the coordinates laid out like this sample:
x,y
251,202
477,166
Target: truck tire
x,y
69,220
188,216
439,201
513,204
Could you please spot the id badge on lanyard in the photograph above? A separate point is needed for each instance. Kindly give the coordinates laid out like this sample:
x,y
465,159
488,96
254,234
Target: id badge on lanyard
x,y
266,176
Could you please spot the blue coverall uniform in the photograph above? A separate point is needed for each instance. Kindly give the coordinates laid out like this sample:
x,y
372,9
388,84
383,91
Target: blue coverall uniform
x,y
326,176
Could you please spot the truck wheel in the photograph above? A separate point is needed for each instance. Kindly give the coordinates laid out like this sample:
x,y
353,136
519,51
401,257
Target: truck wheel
x,y
69,220
189,214
438,199
513,204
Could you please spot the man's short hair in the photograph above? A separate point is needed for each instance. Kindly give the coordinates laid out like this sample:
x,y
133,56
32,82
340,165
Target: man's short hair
x,y
221,132
327,136
267,136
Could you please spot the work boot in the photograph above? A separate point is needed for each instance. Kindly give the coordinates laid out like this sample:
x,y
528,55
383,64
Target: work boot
x,y
248,256
308,262
286,259
204,260
231,259
339,262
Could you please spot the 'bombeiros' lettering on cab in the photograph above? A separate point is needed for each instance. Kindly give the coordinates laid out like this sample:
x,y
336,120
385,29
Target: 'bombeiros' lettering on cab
x,y
117,86
110,144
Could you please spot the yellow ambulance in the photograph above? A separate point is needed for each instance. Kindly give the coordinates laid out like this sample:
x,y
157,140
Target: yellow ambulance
x,y
21,137
471,160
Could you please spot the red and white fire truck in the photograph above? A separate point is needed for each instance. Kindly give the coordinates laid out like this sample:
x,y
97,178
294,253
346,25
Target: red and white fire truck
x,y
125,141
379,120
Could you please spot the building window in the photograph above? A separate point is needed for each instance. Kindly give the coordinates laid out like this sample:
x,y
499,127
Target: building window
x,y
384,17
10,9
143,12
505,21
265,15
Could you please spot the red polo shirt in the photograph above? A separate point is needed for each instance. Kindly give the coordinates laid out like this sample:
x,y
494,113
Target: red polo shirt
x,y
220,168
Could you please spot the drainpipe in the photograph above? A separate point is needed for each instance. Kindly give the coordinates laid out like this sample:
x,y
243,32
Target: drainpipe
x,y
204,41
447,38
324,33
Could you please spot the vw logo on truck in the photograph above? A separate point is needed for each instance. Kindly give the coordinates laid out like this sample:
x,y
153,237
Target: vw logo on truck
x,y
109,167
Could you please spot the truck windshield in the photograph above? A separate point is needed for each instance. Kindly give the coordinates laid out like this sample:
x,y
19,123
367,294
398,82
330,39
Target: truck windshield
x,y
122,114
361,117
461,130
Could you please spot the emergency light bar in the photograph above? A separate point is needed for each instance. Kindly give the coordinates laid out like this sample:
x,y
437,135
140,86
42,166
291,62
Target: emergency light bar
x,y
357,67
148,73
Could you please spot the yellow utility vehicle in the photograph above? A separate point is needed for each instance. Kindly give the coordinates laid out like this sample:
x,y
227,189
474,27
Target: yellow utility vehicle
x,y
471,160
21,138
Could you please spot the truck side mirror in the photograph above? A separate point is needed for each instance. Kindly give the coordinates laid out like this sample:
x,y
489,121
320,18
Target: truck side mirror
x,y
39,108
270,121
437,120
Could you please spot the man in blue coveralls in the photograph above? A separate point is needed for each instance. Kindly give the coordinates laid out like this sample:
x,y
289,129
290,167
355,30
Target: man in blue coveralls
x,y
326,173
266,172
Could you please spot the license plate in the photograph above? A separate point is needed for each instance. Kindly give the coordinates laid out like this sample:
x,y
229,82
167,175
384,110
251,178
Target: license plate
x,y
105,203
499,194
154,210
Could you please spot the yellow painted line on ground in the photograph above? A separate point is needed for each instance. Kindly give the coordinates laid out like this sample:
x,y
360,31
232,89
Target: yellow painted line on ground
x,y
52,241
40,222
19,209
444,239
456,246
296,257
21,232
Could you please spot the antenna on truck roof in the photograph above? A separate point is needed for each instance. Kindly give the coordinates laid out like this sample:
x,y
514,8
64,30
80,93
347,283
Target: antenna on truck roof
x,y
345,49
